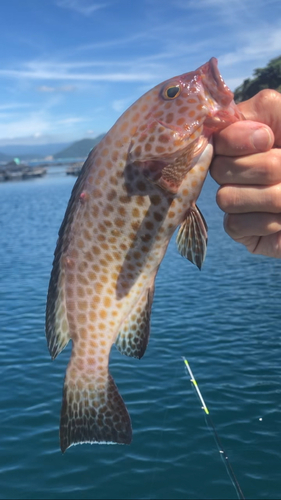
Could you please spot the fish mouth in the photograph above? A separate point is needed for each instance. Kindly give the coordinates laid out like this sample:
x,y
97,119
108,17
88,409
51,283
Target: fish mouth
x,y
215,83
213,64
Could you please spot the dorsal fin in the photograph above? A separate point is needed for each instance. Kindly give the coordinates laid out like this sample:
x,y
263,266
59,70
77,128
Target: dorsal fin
x,y
134,334
56,315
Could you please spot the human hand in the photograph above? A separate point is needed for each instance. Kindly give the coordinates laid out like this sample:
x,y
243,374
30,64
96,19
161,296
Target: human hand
x,y
247,165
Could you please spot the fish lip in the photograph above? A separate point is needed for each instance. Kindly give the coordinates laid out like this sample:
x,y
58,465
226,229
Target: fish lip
x,y
215,83
213,65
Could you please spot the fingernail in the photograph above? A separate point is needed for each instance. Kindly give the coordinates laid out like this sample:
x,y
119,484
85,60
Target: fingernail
x,y
261,139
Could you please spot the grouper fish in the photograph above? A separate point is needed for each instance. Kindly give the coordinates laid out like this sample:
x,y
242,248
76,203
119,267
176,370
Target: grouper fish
x,y
136,187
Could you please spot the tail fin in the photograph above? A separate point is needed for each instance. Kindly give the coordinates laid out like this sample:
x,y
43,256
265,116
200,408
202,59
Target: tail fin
x,y
93,412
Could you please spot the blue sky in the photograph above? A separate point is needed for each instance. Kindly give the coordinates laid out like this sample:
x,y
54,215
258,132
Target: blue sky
x,y
69,68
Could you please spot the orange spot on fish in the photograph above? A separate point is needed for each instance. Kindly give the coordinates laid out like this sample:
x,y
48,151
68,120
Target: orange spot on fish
x,y
160,149
73,253
184,109
102,173
124,126
107,301
80,243
119,222
181,121
98,288
169,118
96,250
103,314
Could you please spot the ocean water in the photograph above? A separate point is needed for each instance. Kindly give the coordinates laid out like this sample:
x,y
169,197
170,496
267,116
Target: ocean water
x,y
226,320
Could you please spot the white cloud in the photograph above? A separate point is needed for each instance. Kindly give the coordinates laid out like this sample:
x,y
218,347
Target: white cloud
x,y
70,120
113,42
54,73
38,138
14,105
252,46
63,88
169,38
120,105
81,6
45,88
31,125
37,124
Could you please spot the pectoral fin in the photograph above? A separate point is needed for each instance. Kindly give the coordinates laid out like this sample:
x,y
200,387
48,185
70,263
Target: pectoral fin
x,y
168,175
192,237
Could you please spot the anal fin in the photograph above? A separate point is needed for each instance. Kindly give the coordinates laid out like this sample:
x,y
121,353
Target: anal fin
x,y
192,237
134,334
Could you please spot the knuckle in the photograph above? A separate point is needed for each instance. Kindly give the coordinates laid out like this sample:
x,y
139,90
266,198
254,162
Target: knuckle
x,y
268,167
267,96
215,169
231,225
228,198
275,196
274,165
221,197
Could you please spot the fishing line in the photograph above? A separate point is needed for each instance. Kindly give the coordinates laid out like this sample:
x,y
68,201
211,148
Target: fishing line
x,y
211,425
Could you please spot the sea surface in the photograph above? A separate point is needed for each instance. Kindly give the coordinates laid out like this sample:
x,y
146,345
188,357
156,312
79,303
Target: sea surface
x,y
226,320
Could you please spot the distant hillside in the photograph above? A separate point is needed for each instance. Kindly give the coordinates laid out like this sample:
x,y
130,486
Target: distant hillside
x,y
4,157
79,149
31,151
264,78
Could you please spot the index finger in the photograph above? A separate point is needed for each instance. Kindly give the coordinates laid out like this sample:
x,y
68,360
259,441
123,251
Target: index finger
x,y
261,168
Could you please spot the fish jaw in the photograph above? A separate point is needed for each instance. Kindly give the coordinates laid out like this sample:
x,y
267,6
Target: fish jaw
x,y
181,127
214,82
222,110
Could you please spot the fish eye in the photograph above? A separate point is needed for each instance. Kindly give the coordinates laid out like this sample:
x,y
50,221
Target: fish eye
x,y
172,92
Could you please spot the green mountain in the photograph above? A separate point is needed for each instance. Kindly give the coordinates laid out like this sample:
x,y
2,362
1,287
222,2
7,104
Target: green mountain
x,y
32,151
264,78
79,149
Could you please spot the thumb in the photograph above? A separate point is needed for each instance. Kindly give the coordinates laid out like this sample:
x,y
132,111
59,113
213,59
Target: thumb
x,y
265,107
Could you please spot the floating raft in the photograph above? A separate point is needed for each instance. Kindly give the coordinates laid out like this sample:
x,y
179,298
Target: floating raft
x,y
14,171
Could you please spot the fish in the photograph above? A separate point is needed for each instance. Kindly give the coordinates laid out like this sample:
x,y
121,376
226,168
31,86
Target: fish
x,y
136,187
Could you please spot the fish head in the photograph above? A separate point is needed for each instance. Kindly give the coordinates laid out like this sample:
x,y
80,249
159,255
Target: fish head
x,y
179,116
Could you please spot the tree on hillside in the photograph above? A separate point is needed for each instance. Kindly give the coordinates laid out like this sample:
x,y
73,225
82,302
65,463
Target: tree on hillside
x,y
264,78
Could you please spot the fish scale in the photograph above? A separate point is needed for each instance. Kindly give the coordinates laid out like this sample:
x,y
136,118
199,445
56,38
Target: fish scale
x,y
136,187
